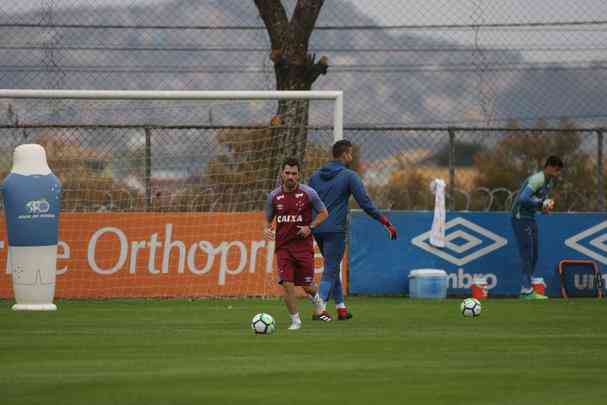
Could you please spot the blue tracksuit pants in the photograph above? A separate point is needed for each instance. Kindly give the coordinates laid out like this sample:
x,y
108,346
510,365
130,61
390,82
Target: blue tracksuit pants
x,y
526,234
332,246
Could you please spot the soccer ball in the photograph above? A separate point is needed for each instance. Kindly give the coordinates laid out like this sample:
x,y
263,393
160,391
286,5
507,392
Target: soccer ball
x,y
263,324
470,307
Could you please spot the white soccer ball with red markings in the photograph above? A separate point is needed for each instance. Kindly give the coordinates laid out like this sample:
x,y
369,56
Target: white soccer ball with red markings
x,y
470,308
263,324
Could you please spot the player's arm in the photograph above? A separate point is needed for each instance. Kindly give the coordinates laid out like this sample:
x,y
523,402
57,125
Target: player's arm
x,y
319,207
322,215
268,231
304,231
528,198
321,210
364,201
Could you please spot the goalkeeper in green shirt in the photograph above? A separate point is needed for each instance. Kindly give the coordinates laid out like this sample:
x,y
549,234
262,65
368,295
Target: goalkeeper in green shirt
x,y
531,197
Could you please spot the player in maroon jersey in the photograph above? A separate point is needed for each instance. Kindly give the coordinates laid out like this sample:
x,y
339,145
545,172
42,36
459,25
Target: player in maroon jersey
x,y
293,205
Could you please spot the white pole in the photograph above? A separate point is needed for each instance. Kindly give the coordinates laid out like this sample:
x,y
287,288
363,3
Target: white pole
x,y
338,118
170,94
337,96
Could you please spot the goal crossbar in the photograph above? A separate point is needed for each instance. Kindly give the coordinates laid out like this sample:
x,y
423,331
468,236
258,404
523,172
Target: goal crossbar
x,y
334,95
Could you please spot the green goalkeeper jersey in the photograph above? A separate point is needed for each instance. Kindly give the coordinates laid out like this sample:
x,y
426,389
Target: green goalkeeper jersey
x,y
532,193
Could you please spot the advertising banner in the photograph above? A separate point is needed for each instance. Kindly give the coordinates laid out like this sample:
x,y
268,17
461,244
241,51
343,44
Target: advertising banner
x,y
478,244
111,255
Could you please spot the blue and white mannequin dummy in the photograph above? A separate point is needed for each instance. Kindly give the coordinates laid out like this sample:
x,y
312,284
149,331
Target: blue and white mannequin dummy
x,y
32,201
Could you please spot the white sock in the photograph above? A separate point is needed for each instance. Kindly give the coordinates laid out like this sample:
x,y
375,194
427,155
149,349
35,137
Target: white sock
x,y
295,317
312,297
526,290
341,305
319,304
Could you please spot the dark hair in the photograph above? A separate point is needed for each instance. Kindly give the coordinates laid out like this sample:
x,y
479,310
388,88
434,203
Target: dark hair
x,y
554,161
341,147
290,161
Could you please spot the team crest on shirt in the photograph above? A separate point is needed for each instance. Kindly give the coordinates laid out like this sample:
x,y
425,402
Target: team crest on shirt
x,y
299,202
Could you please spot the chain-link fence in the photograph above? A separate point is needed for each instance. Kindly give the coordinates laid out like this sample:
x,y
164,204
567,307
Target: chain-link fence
x,y
191,168
475,92
418,63
482,167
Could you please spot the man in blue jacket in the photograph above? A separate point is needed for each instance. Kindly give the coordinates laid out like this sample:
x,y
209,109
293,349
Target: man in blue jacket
x,y
335,183
533,196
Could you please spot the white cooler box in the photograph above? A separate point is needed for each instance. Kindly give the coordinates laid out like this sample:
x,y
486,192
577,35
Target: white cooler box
x,y
428,283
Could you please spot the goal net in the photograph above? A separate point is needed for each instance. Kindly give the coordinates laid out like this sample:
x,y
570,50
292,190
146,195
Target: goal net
x,y
163,192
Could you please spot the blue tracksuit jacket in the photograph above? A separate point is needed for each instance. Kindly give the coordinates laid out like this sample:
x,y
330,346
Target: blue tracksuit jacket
x,y
335,183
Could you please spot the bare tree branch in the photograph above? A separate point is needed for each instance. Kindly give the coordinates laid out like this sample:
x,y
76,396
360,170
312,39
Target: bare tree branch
x,y
295,69
316,69
303,22
275,19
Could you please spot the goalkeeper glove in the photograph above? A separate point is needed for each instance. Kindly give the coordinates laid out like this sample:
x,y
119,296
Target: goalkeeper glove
x,y
547,205
391,229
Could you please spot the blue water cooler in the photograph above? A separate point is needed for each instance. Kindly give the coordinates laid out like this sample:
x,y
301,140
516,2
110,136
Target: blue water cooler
x,y
32,201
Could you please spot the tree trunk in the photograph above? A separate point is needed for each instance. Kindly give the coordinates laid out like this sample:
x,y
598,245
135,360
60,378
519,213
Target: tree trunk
x,y
294,69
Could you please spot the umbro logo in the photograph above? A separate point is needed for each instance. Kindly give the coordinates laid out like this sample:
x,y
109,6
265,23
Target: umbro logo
x,y
592,242
465,241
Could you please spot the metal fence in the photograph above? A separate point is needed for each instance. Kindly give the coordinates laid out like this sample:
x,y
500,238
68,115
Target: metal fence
x,y
194,168
432,88
417,63
483,167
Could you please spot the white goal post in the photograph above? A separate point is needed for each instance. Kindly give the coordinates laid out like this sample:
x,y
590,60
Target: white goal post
x,y
163,191
335,95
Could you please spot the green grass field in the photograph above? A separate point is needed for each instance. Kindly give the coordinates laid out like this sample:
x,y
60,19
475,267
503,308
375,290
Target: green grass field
x,y
394,351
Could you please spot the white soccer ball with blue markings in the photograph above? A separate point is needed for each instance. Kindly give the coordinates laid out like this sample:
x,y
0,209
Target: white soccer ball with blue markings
x,y
470,308
263,324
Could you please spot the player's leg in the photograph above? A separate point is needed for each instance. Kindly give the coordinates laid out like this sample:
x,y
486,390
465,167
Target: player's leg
x,y
522,234
320,314
335,246
291,301
535,250
326,284
332,254
304,277
286,278
315,298
525,232
535,254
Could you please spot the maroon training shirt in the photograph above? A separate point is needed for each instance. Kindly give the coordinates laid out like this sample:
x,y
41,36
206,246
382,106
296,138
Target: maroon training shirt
x,y
293,209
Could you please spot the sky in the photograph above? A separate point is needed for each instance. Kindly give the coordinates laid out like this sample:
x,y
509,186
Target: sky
x,y
534,45
390,12
451,12
445,12
418,11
